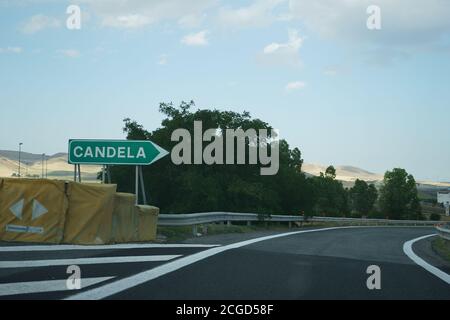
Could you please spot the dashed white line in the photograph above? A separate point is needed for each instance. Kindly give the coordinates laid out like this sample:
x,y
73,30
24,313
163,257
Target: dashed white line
x,y
9,289
84,261
101,247
407,249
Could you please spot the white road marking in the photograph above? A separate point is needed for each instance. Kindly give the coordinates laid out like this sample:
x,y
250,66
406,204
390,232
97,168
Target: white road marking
x,y
84,261
407,249
148,275
9,289
101,247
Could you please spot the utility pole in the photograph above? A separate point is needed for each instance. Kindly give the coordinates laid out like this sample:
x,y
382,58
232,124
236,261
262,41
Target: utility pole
x,y
20,150
43,159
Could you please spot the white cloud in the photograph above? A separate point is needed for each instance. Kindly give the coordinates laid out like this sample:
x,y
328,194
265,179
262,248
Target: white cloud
x,y
296,85
406,25
126,21
69,53
258,14
40,22
191,20
141,13
163,59
330,71
196,39
284,53
15,50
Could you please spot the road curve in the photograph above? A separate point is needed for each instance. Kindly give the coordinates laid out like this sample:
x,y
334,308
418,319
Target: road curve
x,y
318,265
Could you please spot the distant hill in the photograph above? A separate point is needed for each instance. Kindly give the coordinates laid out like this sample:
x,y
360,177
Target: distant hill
x,y
31,165
59,168
343,173
348,175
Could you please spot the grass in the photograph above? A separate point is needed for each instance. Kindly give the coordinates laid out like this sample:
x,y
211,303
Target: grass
x,y
176,234
442,248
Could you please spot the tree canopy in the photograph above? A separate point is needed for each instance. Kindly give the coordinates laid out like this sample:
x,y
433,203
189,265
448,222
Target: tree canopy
x,y
362,197
398,196
187,188
198,188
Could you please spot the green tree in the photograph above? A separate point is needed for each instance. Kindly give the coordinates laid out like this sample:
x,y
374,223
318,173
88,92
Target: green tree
x,y
330,172
362,197
199,188
398,196
331,198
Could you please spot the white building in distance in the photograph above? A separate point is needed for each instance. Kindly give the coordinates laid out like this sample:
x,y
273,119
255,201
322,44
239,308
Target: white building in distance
x,y
444,198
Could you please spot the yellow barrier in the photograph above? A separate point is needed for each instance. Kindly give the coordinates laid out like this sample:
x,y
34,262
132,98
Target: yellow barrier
x,y
32,210
89,217
125,219
50,211
148,220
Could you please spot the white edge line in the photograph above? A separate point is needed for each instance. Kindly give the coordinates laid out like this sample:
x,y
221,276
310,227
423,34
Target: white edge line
x,y
101,247
84,261
15,288
123,284
407,249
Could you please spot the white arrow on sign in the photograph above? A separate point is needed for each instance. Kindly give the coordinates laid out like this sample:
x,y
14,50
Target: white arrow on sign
x,y
38,209
17,209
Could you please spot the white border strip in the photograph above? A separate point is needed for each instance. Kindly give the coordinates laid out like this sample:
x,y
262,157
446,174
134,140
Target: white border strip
x,y
9,289
84,261
407,249
123,284
101,247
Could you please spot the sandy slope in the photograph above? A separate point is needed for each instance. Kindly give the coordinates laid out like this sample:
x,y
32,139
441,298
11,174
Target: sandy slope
x,y
348,174
56,166
344,173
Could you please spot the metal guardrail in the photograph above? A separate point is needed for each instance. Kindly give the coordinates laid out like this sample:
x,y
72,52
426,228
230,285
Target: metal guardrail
x,y
213,217
444,231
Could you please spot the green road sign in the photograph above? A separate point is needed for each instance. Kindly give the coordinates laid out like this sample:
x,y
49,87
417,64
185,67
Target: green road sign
x,y
117,152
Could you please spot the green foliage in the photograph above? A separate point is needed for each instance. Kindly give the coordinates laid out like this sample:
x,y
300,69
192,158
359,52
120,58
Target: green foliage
x,y
398,196
330,172
199,188
330,195
362,197
241,188
435,217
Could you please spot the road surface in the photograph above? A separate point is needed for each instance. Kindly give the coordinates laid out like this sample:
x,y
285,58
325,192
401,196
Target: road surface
x,y
311,264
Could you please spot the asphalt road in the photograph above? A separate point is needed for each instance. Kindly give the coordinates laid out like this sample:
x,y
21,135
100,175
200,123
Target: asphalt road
x,y
329,264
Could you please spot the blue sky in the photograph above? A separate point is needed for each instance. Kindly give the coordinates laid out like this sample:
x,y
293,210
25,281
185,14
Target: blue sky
x,y
343,94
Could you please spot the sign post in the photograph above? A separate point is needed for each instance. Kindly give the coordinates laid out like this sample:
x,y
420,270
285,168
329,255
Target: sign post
x,y
136,153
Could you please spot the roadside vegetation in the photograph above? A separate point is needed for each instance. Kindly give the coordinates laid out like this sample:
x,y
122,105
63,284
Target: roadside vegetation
x,y
442,248
240,188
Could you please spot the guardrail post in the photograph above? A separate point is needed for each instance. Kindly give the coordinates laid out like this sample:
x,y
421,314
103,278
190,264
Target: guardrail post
x,y
249,223
194,230
228,223
290,224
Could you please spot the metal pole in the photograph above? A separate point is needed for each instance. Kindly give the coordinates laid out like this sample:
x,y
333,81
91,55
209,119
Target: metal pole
x,y
46,168
137,185
79,173
43,159
103,174
20,151
141,176
75,173
108,171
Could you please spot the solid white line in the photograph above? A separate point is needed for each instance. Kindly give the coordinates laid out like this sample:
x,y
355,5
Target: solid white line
x,y
407,249
84,261
101,247
145,276
9,289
